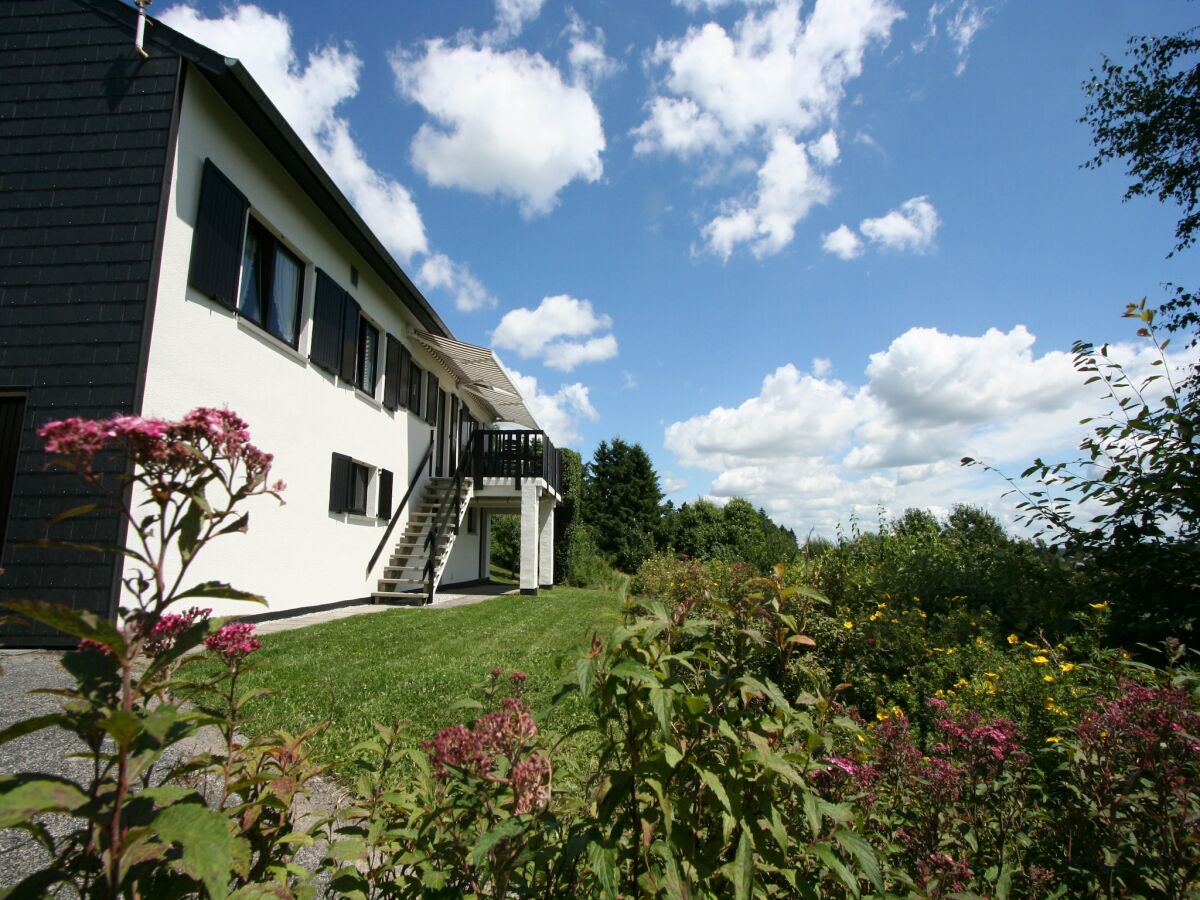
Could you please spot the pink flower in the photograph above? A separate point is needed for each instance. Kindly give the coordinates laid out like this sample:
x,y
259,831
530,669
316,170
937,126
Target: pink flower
x,y
531,784
163,633
234,642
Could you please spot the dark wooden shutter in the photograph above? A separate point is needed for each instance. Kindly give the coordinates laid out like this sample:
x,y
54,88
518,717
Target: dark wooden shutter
x,y
414,388
327,324
391,375
405,375
12,418
340,489
217,240
385,494
349,339
431,398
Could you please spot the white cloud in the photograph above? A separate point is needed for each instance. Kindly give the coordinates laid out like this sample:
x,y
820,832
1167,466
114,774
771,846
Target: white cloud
x,y
561,331
814,450
677,125
843,243
711,5
566,355
821,366
962,21
440,273
586,57
512,16
308,94
673,485
911,227
777,69
825,149
630,381
505,123
788,187
559,413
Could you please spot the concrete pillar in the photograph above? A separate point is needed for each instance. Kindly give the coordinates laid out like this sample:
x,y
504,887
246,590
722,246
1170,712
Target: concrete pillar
x,y
529,536
546,541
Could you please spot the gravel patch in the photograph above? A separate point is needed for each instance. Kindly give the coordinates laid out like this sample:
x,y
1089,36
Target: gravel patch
x,y
52,751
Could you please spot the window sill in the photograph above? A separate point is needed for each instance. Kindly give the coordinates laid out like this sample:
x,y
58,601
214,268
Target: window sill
x,y
366,398
356,519
270,340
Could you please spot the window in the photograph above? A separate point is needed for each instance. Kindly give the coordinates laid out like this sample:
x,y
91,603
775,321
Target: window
x,y
272,279
431,399
414,386
348,486
368,356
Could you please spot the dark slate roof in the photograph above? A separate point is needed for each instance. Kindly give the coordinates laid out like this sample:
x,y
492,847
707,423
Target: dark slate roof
x,y
234,83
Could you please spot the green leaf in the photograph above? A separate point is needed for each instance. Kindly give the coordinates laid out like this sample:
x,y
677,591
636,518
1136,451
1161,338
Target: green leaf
x,y
219,589
661,701
714,785
825,852
604,866
853,843
672,756
189,530
80,623
21,799
509,828
629,669
29,726
209,848
742,874
123,725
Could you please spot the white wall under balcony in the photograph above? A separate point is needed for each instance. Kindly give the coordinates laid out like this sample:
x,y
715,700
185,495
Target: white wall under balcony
x,y
299,554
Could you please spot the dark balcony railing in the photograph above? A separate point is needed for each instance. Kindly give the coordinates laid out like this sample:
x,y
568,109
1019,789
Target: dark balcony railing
x,y
515,454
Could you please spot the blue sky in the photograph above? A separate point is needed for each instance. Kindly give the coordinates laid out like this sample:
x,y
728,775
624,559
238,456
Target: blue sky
x,y
806,253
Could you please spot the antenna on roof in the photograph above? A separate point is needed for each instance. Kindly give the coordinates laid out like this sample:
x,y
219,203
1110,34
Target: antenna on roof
x,y
141,28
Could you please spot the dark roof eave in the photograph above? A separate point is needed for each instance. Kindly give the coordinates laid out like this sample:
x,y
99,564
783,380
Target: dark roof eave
x,y
248,100
231,80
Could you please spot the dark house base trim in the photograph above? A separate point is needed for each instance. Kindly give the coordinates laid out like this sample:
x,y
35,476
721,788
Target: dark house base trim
x,y
303,610
545,587
529,592
474,582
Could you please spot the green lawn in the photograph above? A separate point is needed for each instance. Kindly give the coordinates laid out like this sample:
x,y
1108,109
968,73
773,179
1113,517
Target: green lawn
x,y
413,664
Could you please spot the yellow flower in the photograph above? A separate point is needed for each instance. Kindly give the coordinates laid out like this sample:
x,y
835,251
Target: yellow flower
x,y
1049,679
881,606
1053,740
990,675
979,642
1040,660
949,651
1031,646
1067,667
1099,606
1013,639
875,616
881,716
961,683
897,711
847,624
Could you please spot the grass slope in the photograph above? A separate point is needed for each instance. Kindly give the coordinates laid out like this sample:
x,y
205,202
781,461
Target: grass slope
x,y
413,664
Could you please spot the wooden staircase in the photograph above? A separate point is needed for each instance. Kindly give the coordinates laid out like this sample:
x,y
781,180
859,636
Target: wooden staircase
x,y
404,575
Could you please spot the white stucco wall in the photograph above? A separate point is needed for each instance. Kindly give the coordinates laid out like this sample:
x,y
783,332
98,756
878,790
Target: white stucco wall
x,y
463,564
299,554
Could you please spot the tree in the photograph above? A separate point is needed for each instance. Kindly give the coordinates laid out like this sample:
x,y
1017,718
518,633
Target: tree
x,y
506,541
622,500
567,520
1148,114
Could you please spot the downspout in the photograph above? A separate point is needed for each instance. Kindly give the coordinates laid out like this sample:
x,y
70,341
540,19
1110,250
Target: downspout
x,y
140,36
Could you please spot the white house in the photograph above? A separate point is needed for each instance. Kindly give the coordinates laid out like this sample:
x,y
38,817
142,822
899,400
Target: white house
x,y
238,275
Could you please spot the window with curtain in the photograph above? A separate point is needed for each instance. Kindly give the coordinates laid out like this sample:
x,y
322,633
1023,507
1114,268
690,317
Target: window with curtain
x,y
271,284
368,357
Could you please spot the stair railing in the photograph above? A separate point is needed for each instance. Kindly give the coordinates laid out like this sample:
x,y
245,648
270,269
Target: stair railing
x,y
442,516
412,483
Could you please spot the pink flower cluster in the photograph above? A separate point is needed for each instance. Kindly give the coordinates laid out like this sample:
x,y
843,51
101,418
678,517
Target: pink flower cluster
x,y
1150,731
507,733
204,433
983,746
234,642
163,633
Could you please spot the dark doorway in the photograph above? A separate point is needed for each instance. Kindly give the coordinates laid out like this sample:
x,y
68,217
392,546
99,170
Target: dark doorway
x,y
12,415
